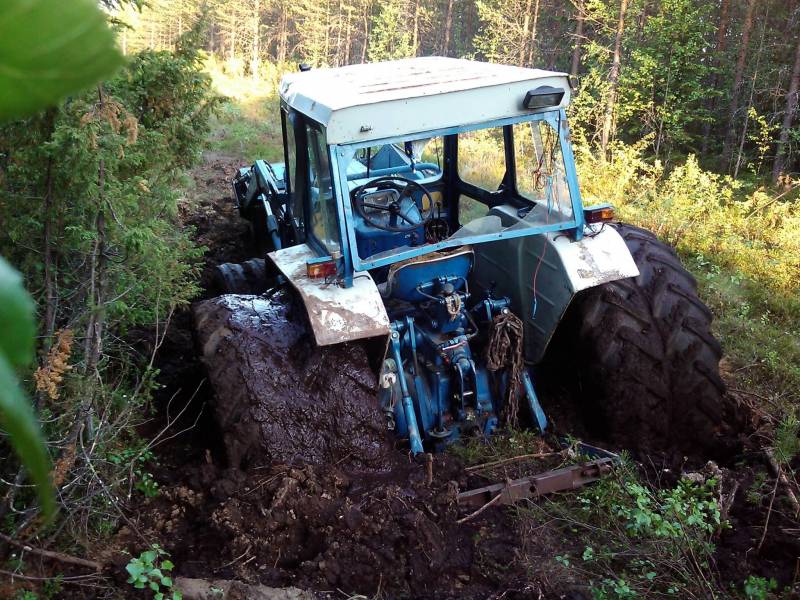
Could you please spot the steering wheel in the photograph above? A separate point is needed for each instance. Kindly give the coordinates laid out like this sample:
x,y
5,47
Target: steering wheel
x,y
405,189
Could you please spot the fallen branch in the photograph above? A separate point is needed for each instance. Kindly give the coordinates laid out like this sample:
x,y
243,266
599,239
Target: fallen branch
x,y
64,558
769,514
491,502
55,578
778,472
505,461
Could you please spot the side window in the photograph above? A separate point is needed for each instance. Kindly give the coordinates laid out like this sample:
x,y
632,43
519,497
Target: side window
x,y
540,172
322,202
291,168
470,209
481,158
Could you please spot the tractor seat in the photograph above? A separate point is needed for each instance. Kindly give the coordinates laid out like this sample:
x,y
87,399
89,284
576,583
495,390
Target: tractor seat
x,y
405,277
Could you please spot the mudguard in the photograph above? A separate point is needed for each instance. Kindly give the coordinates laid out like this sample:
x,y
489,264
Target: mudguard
x,y
541,274
336,314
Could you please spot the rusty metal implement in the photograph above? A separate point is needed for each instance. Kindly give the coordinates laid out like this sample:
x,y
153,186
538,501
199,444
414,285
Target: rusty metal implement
x,y
557,480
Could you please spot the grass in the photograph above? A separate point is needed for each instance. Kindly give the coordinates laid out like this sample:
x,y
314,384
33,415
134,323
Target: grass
x,y
248,125
762,346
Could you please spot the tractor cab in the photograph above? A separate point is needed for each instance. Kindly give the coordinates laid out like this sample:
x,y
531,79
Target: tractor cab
x,y
392,161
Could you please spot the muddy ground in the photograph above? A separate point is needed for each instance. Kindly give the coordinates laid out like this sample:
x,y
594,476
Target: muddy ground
x,y
343,530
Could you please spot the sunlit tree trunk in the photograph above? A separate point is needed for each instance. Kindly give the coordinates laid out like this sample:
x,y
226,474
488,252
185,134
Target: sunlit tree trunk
x,y
534,29
526,24
255,48
365,17
415,32
613,78
448,28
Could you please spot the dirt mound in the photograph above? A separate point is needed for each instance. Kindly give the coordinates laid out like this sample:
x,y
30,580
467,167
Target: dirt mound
x,y
281,398
386,535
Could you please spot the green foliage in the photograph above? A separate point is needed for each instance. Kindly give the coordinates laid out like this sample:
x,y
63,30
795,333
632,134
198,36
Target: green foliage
x,y
672,513
503,444
635,541
151,570
49,49
787,440
16,414
136,461
758,588
96,185
16,318
389,38
613,589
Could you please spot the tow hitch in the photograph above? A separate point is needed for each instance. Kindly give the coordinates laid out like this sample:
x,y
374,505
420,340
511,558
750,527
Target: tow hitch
x,y
556,480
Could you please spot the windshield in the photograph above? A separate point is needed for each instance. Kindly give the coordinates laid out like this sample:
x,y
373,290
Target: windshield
x,y
417,159
403,198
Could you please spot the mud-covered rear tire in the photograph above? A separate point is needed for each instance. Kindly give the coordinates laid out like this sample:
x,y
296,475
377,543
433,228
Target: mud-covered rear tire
x,y
249,277
649,364
281,398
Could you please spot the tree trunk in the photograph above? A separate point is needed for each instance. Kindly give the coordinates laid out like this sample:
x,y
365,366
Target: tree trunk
x,y
255,48
523,42
415,32
95,301
743,137
282,35
366,33
348,37
51,299
576,50
781,153
613,78
722,29
737,82
532,49
448,28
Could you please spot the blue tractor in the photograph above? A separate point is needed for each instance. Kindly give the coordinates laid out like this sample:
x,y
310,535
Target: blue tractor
x,y
423,242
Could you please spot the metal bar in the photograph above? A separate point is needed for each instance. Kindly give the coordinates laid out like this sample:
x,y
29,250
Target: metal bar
x,y
566,478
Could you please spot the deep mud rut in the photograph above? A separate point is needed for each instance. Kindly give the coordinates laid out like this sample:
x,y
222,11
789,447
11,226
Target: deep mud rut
x,y
369,522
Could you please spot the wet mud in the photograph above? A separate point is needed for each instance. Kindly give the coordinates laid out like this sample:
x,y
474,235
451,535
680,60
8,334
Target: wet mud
x,y
321,528
281,398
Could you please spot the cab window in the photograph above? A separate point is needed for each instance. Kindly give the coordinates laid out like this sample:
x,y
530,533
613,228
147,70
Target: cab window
x,y
482,158
322,202
291,169
540,172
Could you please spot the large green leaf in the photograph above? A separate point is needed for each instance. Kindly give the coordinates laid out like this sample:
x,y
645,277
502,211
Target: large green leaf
x,y
49,49
17,326
17,331
17,418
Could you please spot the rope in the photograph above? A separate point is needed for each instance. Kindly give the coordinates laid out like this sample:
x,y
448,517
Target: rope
x,y
504,351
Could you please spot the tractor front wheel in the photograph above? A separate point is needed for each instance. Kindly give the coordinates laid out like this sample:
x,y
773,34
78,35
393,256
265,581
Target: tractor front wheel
x,y
649,368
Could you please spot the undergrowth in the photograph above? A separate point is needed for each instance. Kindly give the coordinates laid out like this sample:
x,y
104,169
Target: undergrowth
x,y
742,243
622,538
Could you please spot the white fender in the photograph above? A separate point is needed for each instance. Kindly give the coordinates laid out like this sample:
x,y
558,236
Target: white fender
x,y
565,267
336,314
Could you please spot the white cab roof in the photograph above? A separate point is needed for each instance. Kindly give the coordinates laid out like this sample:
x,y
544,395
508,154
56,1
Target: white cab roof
x,y
360,103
